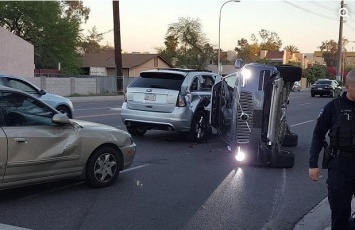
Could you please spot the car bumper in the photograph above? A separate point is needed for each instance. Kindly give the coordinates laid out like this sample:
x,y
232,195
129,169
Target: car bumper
x,y
128,153
178,120
323,92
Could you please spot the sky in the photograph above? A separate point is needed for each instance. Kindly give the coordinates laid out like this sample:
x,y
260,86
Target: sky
x,y
302,23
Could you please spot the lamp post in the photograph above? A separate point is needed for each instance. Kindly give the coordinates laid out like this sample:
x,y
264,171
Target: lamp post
x,y
219,35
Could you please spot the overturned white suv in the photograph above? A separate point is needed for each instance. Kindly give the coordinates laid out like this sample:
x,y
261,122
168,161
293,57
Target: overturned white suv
x,y
169,99
249,112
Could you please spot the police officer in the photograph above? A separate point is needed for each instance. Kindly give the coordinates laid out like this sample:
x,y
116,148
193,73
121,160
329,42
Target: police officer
x,y
337,119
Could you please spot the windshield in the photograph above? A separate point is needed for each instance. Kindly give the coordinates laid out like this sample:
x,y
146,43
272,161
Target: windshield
x,y
324,82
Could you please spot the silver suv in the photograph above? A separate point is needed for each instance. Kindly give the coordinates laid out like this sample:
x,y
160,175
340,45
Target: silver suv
x,y
169,99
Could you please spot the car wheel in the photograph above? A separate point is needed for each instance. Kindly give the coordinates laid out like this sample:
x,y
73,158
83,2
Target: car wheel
x,y
285,159
312,95
332,93
136,131
199,127
65,110
102,168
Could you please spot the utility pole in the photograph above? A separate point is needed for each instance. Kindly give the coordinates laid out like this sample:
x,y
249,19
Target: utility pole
x,y
340,43
117,41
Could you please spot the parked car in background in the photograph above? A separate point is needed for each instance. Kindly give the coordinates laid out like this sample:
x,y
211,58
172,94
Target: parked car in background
x,y
39,144
62,104
296,86
169,99
326,87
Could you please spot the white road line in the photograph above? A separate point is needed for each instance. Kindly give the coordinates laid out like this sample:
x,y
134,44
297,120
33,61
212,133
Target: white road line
x,y
301,123
98,115
305,104
134,168
118,108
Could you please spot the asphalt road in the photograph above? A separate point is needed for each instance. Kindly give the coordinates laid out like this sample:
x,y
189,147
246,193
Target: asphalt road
x,y
175,184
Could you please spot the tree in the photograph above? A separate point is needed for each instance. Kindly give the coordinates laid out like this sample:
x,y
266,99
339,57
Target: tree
x,y
169,53
270,41
247,52
316,72
194,50
90,43
330,51
52,27
291,48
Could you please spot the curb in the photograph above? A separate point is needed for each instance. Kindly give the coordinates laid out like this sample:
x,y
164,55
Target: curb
x,y
96,98
317,219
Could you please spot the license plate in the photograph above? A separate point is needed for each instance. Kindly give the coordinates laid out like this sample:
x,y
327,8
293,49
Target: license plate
x,y
319,88
149,97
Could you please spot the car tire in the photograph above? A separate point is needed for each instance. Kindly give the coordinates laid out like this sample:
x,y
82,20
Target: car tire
x,y
199,127
291,140
136,130
102,167
332,93
65,110
312,94
285,159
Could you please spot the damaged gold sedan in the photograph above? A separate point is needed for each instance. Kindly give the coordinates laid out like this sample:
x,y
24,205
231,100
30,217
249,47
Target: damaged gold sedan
x,y
40,144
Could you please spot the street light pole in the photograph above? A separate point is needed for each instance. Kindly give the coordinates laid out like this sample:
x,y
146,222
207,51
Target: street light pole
x,y
219,35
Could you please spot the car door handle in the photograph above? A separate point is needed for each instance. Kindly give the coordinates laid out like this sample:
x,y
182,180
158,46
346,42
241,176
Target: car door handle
x,y
20,140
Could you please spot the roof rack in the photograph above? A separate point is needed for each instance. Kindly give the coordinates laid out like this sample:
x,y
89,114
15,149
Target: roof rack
x,y
185,70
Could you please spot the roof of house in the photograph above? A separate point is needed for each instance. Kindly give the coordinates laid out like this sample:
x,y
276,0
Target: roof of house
x,y
274,54
107,59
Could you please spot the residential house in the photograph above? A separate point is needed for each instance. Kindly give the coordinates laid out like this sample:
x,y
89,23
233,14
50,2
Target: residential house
x,y
16,55
282,57
132,63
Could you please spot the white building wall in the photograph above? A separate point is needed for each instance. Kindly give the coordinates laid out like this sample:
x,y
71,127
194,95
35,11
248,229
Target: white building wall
x,y
16,55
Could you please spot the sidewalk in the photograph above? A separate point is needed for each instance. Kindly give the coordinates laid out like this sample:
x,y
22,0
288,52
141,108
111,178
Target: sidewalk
x,y
318,218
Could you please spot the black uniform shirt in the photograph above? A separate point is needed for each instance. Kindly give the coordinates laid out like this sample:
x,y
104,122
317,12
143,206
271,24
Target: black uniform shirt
x,y
325,121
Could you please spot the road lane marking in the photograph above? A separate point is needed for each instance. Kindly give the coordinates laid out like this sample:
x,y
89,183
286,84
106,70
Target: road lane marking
x,y
112,108
134,168
98,115
305,104
301,123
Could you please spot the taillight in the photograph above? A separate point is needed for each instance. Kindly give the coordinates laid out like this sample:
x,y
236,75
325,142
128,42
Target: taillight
x,y
181,102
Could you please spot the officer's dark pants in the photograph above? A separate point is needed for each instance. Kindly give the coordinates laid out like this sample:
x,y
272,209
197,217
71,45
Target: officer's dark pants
x,y
341,188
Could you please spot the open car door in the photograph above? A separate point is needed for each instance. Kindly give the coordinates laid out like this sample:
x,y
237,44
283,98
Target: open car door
x,y
223,109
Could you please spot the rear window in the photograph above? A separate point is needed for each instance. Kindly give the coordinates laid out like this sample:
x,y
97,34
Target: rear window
x,y
158,80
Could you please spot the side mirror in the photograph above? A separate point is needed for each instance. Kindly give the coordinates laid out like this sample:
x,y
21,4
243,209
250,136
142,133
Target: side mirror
x,y
238,63
60,118
42,92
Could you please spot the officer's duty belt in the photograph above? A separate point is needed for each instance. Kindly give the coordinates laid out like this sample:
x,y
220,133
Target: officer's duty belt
x,y
343,154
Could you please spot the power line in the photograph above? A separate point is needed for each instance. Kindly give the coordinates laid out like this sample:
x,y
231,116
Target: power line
x,y
315,13
309,11
321,5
